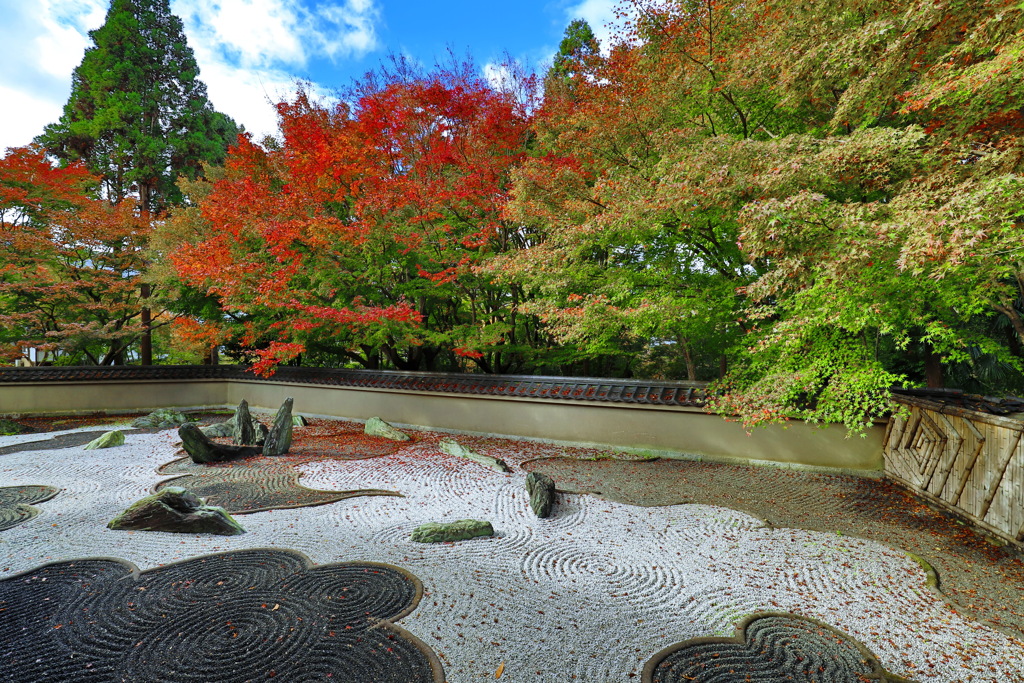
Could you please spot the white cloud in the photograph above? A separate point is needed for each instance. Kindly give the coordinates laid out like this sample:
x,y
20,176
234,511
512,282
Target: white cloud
x,y
498,75
248,51
601,16
40,45
265,33
358,21
21,126
65,37
250,33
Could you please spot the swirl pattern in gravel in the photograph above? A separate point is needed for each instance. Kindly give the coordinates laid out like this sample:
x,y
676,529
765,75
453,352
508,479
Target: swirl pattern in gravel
x,y
16,503
588,595
251,614
770,648
33,442
979,578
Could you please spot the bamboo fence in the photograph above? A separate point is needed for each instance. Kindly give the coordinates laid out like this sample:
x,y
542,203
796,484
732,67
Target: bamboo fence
x,y
969,462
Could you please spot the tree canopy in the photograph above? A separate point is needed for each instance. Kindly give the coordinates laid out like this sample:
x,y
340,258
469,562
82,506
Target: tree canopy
x,y
138,118
807,203
68,262
138,115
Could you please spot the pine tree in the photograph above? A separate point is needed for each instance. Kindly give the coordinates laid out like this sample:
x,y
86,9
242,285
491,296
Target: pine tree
x,y
138,115
578,44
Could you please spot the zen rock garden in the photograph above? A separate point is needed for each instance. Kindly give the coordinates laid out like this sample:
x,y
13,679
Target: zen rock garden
x,y
478,558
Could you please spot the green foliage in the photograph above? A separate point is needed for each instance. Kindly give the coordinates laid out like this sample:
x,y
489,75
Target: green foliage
x,y
578,45
138,115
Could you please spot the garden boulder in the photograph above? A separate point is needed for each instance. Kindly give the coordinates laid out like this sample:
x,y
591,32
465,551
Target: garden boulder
x,y
176,510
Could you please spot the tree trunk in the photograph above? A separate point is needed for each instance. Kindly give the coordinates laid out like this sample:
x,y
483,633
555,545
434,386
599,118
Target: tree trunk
x,y
146,343
1015,319
933,369
691,367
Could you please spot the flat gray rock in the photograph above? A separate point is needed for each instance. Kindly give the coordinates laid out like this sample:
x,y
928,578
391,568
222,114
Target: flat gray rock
x,y
218,430
176,510
201,449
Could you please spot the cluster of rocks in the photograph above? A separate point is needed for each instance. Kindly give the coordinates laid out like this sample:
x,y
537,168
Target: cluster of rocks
x,y
178,510
249,436
540,487
164,418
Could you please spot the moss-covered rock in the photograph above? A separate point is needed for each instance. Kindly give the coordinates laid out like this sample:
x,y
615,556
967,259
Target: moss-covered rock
x,y
378,427
440,532
176,510
164,418
542,493
452,447
10,427
106,440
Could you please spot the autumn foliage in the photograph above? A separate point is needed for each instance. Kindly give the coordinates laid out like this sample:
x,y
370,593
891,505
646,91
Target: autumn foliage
x,y
69,262
365,223
806,202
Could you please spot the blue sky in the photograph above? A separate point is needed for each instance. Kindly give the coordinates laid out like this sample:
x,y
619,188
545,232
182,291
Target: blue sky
x,y
252,51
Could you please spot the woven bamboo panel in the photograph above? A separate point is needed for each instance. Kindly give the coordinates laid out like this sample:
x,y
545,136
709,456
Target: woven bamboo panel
x,y
967,461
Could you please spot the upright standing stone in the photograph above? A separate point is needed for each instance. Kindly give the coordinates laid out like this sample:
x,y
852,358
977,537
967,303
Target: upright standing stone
x,y
242,431
279,439
542,493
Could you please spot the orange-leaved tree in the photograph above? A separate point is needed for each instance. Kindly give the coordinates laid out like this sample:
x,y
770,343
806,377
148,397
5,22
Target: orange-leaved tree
x,y
356,235
69,263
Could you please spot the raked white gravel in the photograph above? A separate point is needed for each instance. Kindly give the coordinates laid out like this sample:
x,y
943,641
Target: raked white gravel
x,y
588,595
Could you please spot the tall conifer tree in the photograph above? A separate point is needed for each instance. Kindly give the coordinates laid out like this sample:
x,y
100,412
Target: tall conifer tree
x,y
138,115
